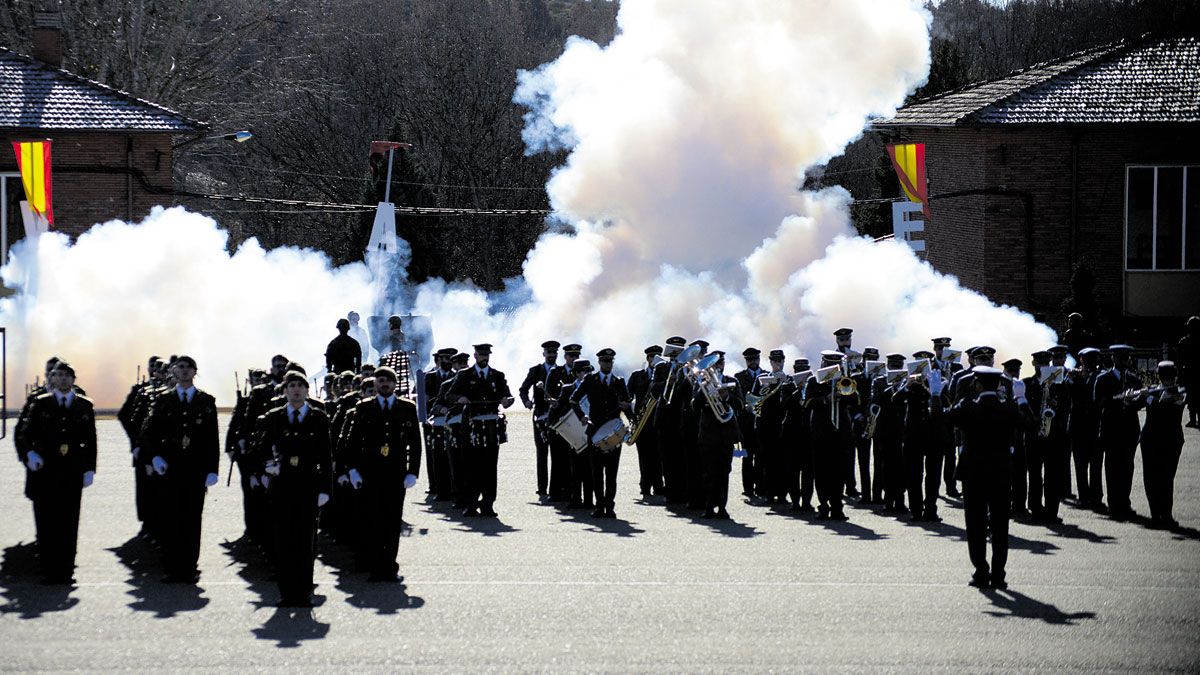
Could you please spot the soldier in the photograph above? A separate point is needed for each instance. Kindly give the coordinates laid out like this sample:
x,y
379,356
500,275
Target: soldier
x,y
689,421
988,423
343,510
536,381
716,440
437,452
126,415
666,421
458,433
1019,481
385,459
649,461
773,486
751,464
832,418
1083,426
843,337
796,442
945,433
563,459
1162,443
607,398
1188,361
1060,433
235,449
483,390
1119,429
180,435
579,492
57,445
920,399
889,433
296,438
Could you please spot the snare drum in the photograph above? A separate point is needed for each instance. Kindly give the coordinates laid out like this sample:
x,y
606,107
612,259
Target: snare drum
x,y
573,431
610,435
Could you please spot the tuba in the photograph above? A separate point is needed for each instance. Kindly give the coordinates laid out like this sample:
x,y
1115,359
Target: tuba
x,y
644,415
708,380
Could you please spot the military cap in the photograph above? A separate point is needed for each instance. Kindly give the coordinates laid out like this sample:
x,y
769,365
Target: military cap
x,y
718,353
654,349
984,350
295,366
446,351
987,376
64,367
483,348
294,376
1058,349
346,375
607,353
895,356
1120,348
832,355
385,371
941,342
869,352
550,344
1166,368
572,349
581,366
923,354
677,340
776,355
751,352
1088,351
257,371
800,363
702,343
1011,363
843,332
185,359
1040,356
1074,315
461,357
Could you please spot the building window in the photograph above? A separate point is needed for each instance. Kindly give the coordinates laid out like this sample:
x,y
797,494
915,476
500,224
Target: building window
x,y
1162,218
12,226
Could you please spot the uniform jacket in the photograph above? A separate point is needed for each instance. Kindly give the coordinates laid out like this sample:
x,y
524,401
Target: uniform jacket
x,y
539,374
604,400
65,438
712,431
385,445
988,424
1164,422
1118,418
301,451
183,434
485,392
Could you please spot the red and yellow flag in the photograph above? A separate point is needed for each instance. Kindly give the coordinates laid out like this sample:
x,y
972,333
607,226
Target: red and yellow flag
x,y
909,161
33,159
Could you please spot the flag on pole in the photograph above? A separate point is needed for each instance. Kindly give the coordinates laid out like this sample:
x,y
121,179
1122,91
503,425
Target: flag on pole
x,y
909,161
33,159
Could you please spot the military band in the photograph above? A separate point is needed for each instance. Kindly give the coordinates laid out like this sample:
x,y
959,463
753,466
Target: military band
x,y
900,434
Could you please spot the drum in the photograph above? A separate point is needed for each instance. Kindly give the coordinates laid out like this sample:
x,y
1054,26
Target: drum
x,y
573,431
610,435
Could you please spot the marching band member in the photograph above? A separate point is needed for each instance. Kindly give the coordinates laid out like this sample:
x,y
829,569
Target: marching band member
x,y
607,398
920,404
667,419
1084,427
536,380
715,441
772,475
752,474
580,489
889,434
1119,429
797,443
945,432
484,390
457,432
832,438
689,427
563,459
649,462
437,436
1162,442
1019,483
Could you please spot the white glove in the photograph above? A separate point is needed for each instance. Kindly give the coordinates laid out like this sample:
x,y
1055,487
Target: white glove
x,y
1018,390
271,468
410,481
1149,400
136,452
88,477
355,478
34,461
266,481
322,500
254,481
210,480
343,480
159,464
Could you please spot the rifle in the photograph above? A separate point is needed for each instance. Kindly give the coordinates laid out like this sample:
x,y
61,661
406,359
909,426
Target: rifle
x,y
237,387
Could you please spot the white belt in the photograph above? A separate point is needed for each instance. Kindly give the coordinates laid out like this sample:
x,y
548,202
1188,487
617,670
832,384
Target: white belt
x,y
485,418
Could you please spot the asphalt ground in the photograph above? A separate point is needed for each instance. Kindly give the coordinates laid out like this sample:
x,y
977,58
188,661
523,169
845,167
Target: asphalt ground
x,y
549,590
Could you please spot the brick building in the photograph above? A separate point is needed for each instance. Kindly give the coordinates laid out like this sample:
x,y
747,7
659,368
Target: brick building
x,y
111,152
1092,161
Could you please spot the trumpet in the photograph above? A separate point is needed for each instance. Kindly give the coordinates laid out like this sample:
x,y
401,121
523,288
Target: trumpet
x,y
708,379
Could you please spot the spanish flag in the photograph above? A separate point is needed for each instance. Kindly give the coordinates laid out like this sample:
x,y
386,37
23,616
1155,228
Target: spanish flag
x,y
33,159
909,162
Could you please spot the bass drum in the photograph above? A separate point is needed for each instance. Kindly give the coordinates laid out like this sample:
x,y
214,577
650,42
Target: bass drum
x,y
610,435
573,431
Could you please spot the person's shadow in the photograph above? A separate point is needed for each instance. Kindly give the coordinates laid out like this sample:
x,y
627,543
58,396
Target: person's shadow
x,y
288,627
842,527
20,585
944,529
1073,531
149,595
1011,604
254,569
384,598
614,526
725,528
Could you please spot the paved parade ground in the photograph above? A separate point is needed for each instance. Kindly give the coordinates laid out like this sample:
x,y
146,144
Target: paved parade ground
x,y
550,590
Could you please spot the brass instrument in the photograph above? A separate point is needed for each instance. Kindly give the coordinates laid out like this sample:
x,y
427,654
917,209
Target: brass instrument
x,y
846,385
684,362
872,420
708,380
1172,394
1050,375
771,383
643,417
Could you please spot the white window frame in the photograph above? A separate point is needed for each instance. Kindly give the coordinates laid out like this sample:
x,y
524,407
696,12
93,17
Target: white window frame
x,y
1188,169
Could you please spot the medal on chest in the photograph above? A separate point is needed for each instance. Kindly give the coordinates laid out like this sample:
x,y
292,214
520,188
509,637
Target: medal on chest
x,y
384,450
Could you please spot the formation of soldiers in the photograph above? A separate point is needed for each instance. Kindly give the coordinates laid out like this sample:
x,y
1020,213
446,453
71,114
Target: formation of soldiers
x,y
888,432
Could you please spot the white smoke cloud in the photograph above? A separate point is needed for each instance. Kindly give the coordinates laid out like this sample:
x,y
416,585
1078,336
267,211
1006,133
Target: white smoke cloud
x,y
689,134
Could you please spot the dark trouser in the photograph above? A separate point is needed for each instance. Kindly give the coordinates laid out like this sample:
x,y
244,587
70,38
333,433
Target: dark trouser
x,y
460,468
182,501
950,453
792,447
1119,455
1085,452
1058,472
914,470
381,516
985,506
343,515
718,464
1159,464
560,465
431,474
862,447
249,517
879,456
542,449
694,474
649,463
1035,463
752,462
1019,475
141,493
770,475
890,470
442,479
582,487
485,456
933,479
670,449
829,464
604,475
56,517
294,527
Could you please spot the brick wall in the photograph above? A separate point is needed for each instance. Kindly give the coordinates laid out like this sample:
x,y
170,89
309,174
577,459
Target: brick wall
x,y
84,191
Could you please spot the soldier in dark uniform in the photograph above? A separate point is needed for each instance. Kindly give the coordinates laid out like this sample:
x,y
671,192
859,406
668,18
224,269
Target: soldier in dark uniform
x,y
1035,445
945,434
1188,361
385,446
235,448
1083,427
666,422
689,421
889,433
563,459
1119,429
988,423
649,462
483,390
795,439
748,382
1162,443
920,404
1060,431
180,434
296,438
343,510
458,433
57,444
126,415
1019,481
832,418
768,428
607,398
716,440
343,352
843,338
579,488
536,381
437,436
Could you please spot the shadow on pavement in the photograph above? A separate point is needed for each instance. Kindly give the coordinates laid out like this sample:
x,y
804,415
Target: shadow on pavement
x,y
488,527
944,529
1073,531
1180,533
255,569
726,528
1010,603
164,600
842,527
20,585
615,526
384,598
288,627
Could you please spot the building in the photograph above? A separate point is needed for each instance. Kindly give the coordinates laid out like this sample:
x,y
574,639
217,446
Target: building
x,y
111,151
1087,162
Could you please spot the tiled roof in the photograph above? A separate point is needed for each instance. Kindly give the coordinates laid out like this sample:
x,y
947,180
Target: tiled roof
x,y
1140,81
36,96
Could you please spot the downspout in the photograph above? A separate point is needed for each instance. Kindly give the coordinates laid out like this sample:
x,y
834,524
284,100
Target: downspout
x,y
129,179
